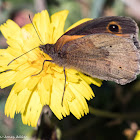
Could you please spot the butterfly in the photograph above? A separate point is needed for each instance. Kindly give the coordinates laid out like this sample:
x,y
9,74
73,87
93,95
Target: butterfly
x,y
106,48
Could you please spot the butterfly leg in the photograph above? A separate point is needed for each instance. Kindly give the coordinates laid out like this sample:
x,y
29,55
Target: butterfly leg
x,y
42,67
64,86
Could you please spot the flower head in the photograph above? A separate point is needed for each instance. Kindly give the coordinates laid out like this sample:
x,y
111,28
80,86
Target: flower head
x,y
30,93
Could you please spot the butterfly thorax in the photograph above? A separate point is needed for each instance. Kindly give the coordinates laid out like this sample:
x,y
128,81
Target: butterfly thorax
x,y
56,55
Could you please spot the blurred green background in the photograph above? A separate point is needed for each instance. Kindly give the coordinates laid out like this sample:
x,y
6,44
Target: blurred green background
x,y
114,112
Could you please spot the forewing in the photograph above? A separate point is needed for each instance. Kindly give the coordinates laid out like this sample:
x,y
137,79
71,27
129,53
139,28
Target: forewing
x,y
103,56
128,27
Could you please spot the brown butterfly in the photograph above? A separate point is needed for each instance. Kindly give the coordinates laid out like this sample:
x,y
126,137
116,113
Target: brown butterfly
x,y
106,48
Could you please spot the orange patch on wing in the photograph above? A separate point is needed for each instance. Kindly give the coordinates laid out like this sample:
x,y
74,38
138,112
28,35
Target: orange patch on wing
x,y
124,35
64,39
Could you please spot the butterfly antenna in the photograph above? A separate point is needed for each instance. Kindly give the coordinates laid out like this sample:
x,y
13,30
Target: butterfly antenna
x,y
31,49
35,29
20,56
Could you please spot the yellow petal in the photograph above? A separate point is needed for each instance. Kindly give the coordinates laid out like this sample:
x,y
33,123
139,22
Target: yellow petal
x,y
25,73
6,78
21,85
58,22
44,89
10,106
22,100
83,89
33,110
78,23
91,80
42,24
56,99
76,107
10,29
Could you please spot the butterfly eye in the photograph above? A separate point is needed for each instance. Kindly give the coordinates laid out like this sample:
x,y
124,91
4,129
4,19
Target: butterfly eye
x,y
60,54
113,28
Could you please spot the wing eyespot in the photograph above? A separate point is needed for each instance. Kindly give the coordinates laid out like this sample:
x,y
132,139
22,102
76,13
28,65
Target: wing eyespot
x,y
114,27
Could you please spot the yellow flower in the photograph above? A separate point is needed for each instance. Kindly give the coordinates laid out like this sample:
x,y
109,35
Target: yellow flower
x,y
137,136
30,93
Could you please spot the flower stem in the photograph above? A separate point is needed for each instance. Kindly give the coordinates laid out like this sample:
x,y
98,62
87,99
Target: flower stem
x,y
107,114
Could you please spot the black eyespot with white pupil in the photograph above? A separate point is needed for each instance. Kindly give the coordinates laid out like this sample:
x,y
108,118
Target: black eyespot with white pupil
x,y
113,28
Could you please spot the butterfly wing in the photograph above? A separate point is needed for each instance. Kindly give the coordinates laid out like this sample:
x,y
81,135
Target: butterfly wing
x,y
127,27
99,25
104,56
98,50
124,27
